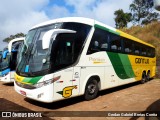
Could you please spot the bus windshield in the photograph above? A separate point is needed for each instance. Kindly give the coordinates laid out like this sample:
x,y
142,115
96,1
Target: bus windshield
x,y
62,52
5,62
9,59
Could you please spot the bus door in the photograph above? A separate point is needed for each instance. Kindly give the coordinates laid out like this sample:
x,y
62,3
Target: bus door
x,y
64,56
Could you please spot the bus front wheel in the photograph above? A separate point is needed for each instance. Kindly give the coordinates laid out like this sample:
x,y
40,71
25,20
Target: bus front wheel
x,y
91,89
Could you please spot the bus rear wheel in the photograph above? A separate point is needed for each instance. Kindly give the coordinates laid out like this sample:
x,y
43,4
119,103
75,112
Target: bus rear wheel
x,y
144,78
91,89
148,76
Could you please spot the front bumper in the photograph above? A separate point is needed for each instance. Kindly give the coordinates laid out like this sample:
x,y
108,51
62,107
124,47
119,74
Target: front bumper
x,y
8,78
42,94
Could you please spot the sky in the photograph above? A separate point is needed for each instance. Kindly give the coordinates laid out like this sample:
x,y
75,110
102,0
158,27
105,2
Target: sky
x,y
20,15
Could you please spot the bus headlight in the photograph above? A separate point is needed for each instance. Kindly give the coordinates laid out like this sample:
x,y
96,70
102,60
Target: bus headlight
x,y
47,82
38,85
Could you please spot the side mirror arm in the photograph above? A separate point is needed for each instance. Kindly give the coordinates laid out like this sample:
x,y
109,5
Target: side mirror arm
x,y
12,41
47,36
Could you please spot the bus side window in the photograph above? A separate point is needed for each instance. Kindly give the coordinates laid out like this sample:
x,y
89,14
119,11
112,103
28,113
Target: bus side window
x,y
153,52
128,46
144,53
99,41
137,49
95,46
115,43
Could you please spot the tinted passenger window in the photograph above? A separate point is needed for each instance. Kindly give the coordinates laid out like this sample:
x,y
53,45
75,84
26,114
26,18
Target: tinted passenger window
x,y
65,49
115,43
137,49
128,46
152,52
68,46
144,51
99,41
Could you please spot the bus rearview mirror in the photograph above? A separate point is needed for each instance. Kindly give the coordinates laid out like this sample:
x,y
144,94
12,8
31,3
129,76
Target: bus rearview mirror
x,y
13,41
52,34
5,54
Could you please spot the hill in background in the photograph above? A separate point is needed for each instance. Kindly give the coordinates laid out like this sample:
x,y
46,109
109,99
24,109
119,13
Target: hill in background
x,y
150,34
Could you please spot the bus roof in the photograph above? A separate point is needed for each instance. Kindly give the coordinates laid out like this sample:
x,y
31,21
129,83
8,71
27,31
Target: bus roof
x,y
67,19
93,22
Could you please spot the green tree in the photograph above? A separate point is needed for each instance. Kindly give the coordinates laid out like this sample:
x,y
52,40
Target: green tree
x,y
13,37
143,12
122,19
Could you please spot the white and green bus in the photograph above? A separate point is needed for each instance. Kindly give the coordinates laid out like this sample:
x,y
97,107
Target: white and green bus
x,y
9,60
75,56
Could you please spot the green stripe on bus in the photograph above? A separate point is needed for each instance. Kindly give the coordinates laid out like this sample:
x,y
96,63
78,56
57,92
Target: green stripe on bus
x,y
26,80
117,65
121,65
127,65
106,29
33,80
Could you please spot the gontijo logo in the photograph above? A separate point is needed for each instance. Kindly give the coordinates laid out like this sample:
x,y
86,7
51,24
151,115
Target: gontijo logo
x,y
67,91
141,61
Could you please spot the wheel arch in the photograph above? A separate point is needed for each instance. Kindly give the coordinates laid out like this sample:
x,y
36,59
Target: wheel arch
x,y
96,76
149,71
144,72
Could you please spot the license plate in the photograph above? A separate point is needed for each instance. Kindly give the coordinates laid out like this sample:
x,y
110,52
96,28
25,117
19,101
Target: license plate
x,y
23,92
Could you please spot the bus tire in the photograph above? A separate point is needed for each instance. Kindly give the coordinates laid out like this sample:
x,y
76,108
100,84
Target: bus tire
x,y
148,76
91,89
144,78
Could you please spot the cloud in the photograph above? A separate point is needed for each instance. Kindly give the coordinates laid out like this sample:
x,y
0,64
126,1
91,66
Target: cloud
x,y
20,16
58,11
102,10
81,5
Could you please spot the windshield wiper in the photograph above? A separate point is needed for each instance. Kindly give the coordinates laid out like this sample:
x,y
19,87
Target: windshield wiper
x,y
25,57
